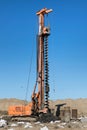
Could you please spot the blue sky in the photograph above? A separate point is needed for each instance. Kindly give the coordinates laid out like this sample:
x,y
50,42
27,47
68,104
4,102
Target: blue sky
x,y
67,47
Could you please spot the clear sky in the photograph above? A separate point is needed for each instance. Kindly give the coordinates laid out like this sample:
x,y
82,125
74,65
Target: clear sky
x,y
67,47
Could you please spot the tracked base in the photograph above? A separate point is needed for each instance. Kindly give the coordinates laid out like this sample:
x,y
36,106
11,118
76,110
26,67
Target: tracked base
x,y
19,118
45,118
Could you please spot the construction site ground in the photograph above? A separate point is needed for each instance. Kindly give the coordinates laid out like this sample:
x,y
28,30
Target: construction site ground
x,y
80,123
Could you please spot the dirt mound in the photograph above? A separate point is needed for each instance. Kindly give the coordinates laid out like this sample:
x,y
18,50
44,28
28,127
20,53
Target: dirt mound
x,y
5,103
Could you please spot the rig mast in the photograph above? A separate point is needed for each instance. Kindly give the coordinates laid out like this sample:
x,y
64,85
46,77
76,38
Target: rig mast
x,y
42,60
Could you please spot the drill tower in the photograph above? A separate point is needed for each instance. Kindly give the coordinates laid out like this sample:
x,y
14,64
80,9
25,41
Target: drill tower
x,y
42,60
39,103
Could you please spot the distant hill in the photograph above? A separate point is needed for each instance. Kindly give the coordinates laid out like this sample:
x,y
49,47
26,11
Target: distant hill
x,y
5,103
80,104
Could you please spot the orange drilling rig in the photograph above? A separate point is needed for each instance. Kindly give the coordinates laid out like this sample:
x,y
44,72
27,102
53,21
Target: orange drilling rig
x,y
39,101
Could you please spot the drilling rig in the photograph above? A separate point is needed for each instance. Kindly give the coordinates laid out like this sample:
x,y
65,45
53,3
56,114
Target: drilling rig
x,y
39,100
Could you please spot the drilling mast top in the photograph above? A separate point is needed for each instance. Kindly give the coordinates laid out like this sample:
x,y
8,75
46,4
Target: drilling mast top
x,y
44,11
42,28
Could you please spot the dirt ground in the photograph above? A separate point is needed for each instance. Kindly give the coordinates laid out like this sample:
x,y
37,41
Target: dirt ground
x,y
44,126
